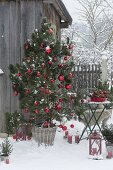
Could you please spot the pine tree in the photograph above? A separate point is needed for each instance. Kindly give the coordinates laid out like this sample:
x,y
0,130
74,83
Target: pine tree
x,y
45,76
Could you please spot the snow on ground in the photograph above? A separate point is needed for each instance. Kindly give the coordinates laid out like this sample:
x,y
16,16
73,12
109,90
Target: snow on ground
x,y
27,155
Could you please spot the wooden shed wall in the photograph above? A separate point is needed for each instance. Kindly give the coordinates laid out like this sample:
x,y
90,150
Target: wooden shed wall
x,y
18,19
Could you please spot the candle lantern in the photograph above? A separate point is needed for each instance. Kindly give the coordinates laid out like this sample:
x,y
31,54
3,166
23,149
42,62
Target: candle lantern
x,y
76,138
95,144
70,138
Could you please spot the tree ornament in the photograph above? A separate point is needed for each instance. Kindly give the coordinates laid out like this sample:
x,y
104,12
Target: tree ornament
x,y
26,110
64,128
60,86
45,124
47,91
52,80
27,91
60,100
61,78
49,62
65,58
36,111
55,59
15,93
58,107
29,71
60,65
18,74
72,126
68,86
48,50
36,103
46,110
38,74
70,75
43,65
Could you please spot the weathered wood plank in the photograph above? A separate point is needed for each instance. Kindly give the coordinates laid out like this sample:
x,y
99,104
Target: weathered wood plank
x,y
4,59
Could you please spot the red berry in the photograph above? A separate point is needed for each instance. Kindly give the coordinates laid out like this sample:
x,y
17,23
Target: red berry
x,y
72,126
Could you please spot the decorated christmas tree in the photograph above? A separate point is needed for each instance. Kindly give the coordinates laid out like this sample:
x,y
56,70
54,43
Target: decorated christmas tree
x,y
44,78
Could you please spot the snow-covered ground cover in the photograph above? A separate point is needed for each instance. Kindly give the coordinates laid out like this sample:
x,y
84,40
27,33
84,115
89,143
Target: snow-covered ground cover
x,y
27,155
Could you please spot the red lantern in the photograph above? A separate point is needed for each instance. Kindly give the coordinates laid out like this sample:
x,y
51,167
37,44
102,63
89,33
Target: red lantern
x,y
70,139
95,144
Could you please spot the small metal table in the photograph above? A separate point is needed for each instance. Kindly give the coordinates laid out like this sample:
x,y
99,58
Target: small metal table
x,y
92,108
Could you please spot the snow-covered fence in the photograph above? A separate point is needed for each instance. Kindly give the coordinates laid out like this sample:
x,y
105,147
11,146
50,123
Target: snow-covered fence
x,y
86,76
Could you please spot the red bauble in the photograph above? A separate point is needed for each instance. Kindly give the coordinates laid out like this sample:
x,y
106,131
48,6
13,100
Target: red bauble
x,y
65,58
52,80
64,128
72,126
26,110
36,111
29,71
70,75
48,50
46,110
38,74
15,93
43,65
58,107
60,86
60,65
27,91
36,103
49,62
18,74
47,91
54,59
60,100
61,78
60,126
68,86
45,124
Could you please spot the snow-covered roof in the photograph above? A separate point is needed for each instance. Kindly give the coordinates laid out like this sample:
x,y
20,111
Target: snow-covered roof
x,y
1,72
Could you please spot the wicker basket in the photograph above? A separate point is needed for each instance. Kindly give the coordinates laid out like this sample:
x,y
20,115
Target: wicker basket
x,y
44,135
